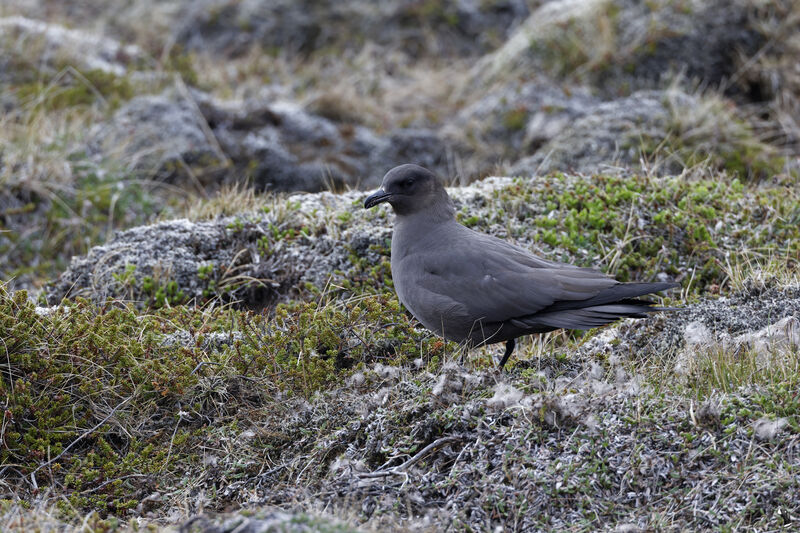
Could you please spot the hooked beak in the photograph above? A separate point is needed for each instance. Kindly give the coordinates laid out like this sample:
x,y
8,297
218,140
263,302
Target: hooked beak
x,y
376,198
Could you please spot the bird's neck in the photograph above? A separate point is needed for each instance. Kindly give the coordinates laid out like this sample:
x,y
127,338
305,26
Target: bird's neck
x,y
437,210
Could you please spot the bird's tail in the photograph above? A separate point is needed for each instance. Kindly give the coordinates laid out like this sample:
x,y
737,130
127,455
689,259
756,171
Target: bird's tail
x,y
595,316
618,301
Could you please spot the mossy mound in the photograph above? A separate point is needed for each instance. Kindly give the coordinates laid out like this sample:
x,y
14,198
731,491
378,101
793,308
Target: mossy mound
x,y
107,403
635,227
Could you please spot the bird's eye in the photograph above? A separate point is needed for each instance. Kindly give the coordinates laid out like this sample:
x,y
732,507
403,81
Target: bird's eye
x,y
409,182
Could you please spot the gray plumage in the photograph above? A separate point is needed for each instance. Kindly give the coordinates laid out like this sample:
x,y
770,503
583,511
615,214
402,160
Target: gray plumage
x,y
471,287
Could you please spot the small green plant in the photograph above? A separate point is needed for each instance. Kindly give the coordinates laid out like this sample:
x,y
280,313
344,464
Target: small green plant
x,y
236,225
72,88
64,373
515,119
206,273
160,295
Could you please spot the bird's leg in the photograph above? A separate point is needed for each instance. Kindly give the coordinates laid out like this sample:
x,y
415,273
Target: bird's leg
x,y
509,348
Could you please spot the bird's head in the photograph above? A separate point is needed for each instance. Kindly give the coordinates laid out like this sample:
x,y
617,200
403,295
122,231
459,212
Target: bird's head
x,y
410,189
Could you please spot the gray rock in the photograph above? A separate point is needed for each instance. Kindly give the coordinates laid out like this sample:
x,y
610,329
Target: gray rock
x,y
277,145
769,344
712,325
162,135
214,257
621,46
518,117
773,340
283,147
612,134
409,145
56,45
703,41
452,27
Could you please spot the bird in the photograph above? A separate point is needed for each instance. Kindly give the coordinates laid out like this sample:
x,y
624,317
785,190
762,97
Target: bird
x,y
474,288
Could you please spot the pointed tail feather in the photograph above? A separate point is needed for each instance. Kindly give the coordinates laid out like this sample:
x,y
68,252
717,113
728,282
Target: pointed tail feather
x,y
588,317
620,293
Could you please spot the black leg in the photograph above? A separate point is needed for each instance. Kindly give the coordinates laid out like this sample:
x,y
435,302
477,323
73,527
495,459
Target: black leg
x,y
509,348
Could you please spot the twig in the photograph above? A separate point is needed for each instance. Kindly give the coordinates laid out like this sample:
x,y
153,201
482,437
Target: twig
x,y
103,484
201,364
172,440
400,469
73,443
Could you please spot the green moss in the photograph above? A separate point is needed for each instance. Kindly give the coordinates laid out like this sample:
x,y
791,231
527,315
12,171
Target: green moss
x,y
182,63
638,228
515,119
65,372
470,221
67,220
73,88
161,294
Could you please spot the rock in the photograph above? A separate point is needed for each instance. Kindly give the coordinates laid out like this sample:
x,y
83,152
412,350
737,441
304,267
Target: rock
x,y
518,118
285,148
704,42
159,135
618,133
423,147
276,145
621,46
715,325
450,28
211,255
542,25
56,46
774,340
609,134
765,429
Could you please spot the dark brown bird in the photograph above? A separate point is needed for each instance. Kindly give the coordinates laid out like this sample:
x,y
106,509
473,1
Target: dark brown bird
x,y
471,287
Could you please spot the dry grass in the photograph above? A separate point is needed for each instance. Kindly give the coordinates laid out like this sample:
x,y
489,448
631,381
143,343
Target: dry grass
x,y
36,141
724,370
230,199
372,87
751,268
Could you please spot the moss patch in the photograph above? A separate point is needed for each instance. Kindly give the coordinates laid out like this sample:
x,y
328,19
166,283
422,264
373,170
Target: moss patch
x,y
42,227
104,398
637,227
71,88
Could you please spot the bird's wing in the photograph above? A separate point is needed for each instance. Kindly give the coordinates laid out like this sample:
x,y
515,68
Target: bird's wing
x,y
496,281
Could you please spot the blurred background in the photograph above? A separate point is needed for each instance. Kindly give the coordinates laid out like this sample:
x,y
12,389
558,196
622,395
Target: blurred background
x,y
117,113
